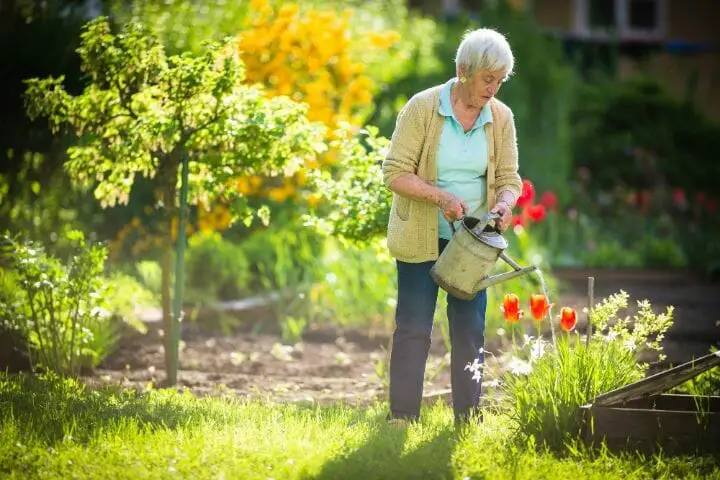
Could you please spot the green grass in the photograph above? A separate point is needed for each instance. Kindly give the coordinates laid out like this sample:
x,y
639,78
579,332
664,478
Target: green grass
x,y
55,428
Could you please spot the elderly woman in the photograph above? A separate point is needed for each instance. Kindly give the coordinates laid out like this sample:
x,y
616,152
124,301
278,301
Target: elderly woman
x,y
453,152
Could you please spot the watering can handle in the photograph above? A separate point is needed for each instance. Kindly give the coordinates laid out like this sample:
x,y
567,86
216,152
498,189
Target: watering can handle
x,y
495,217
487,218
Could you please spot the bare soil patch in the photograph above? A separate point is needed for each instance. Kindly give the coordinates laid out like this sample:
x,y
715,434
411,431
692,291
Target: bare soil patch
x,y
348,366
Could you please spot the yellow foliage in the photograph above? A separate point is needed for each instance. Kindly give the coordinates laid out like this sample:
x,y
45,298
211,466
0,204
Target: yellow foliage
x,y
314,199
307,54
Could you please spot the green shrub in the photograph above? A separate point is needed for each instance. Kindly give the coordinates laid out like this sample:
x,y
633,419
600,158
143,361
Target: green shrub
x,y
545,403
61,309
633,133
359,286
215,269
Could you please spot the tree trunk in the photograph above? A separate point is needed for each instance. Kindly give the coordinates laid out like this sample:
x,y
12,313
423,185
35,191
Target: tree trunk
x,y
167,179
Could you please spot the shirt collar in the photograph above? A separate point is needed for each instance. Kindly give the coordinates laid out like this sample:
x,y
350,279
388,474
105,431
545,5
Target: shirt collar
x,y
445,108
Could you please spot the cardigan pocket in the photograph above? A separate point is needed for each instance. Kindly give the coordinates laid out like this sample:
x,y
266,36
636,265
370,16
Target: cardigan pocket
x,y
402,207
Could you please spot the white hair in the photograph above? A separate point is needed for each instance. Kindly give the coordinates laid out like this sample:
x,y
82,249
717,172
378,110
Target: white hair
x,y
484,49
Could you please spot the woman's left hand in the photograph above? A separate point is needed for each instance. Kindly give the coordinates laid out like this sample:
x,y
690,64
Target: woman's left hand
x,y
502,209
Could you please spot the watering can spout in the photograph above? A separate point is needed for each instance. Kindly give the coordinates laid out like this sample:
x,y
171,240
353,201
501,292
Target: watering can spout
x,y
503,277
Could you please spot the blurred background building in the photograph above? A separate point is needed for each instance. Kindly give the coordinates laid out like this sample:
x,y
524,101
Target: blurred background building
x,y
676,41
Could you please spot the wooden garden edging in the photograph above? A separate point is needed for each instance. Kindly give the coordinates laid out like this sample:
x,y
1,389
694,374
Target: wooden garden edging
x,y
641,417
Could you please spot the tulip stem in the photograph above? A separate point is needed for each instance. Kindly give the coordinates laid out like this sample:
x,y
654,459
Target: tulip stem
x,y
591,302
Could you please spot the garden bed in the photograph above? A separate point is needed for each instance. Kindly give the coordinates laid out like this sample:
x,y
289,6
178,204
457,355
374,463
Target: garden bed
x,y
333,365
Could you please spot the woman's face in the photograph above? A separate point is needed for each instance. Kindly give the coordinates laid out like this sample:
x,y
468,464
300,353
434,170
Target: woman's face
x,y
482,85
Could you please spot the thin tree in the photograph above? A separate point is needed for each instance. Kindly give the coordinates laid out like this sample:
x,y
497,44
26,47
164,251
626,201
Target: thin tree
x,y
144,113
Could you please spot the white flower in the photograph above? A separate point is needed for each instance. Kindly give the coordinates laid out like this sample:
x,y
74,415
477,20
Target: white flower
x,y
611,336
537,351
476,368
519,367
476,365
630,344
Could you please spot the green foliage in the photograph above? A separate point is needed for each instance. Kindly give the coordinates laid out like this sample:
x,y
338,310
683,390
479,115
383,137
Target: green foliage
x,y
36,38
183,25
545,402
215,269
39,203
705,384
633,133
285,259
61,309
358,288
143,110
546,388
57,428
642,332
356,204
126,296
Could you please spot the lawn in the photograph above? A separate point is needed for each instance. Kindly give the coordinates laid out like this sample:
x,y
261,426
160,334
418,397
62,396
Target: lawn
x,y
53,428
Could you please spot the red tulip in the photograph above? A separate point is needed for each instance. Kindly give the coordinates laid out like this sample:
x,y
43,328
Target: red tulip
x,y
568,318
679,197
539,306
511,308
518,220
549,200
527,195
536,212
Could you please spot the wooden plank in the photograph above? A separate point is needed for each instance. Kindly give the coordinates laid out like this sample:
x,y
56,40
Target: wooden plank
x,y
650,430
660,382
688,403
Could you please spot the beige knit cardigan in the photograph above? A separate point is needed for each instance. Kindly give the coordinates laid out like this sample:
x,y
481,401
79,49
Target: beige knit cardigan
x,y
412,234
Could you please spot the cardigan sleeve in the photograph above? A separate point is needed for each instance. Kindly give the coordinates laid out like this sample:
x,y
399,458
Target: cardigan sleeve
x,y
406,142
507,178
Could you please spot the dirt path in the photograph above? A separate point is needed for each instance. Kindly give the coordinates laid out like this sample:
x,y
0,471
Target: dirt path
x,y
350,367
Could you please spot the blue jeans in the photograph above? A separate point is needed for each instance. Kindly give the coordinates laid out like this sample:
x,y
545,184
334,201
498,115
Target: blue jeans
x,y
417,297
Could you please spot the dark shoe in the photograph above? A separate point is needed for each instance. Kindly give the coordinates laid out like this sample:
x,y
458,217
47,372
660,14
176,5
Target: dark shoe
x,y
401,419
468,419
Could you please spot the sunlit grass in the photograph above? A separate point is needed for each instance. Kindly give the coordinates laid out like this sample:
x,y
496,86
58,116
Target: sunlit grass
x,y
59,429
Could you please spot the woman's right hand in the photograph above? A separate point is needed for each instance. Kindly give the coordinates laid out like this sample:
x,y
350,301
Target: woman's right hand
x,y
452,207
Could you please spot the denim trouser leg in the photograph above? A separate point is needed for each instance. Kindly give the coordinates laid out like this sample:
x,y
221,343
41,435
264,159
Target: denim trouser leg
x,y
417,297
467,337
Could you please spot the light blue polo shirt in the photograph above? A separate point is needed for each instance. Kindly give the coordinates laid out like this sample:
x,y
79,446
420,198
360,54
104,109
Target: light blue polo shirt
x,y
462,159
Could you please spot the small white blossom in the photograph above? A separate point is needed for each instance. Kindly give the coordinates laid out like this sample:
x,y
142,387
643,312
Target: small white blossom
x,y
537,350
476,365
519,367
630,344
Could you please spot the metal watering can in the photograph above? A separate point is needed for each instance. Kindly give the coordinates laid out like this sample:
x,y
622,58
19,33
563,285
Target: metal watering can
x,y
463,267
